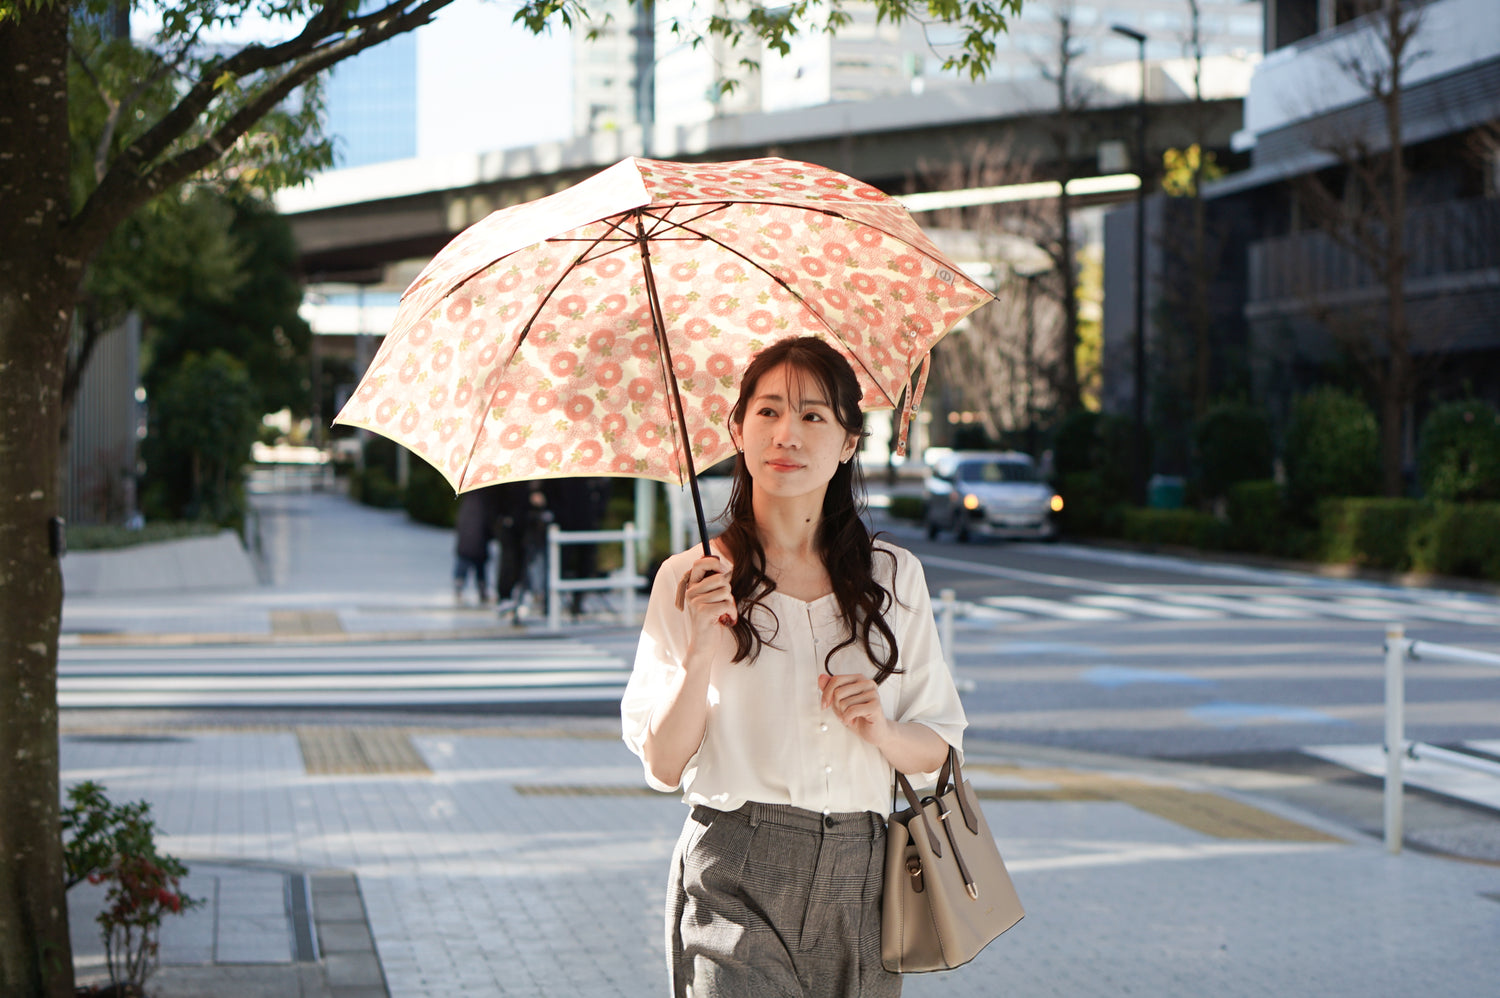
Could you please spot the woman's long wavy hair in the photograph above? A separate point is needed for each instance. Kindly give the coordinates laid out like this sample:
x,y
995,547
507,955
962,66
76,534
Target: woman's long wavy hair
x,y
843,541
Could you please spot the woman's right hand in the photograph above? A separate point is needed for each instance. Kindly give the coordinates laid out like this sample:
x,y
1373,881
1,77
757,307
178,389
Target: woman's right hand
x,y
704,592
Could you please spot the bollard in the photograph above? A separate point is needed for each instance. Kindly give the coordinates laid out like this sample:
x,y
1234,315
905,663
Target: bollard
x,y
947,605
1395,733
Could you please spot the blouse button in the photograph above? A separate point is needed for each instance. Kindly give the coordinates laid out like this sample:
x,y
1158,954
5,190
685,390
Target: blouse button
x,y
823,727
828,769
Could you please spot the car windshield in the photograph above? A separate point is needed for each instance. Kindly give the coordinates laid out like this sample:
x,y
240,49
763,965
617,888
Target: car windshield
x,y
996,471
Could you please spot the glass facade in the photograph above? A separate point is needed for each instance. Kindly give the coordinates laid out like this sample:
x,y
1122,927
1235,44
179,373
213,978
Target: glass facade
x,y
371,104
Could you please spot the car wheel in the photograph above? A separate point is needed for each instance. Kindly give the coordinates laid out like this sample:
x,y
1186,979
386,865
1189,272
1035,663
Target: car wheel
x,y
932,529
961,528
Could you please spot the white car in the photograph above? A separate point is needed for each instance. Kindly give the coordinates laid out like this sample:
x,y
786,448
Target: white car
x,y
989,493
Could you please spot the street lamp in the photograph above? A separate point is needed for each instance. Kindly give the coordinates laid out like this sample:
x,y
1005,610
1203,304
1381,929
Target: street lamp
x,y
1140,268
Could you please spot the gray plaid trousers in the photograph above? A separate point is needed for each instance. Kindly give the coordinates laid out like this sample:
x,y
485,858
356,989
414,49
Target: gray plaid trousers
x,y
773,901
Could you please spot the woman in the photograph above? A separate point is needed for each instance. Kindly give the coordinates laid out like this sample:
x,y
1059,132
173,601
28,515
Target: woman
x,y
777,684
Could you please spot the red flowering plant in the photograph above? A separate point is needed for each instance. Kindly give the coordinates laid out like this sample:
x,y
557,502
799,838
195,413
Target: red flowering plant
x,y
115,844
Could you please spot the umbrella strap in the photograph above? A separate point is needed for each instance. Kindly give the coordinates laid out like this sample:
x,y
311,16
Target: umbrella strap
x,y
913,401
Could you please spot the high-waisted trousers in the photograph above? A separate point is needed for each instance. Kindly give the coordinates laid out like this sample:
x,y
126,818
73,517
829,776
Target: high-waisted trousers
x,y
773,901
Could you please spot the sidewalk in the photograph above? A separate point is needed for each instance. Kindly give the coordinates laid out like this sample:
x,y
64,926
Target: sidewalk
x,y
464,857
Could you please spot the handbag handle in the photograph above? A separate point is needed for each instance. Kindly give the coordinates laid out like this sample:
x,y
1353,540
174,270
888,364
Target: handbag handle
x,y
918,812
950,777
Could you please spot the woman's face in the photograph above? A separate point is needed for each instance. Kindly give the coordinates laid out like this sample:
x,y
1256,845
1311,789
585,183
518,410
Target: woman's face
x,y
792,441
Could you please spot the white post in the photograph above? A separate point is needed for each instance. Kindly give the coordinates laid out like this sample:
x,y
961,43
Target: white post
x,y
1395,733
947,603
554,576
630,572
676,518
645,513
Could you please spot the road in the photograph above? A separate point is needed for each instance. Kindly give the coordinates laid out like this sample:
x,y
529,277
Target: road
x,y
1056,644
1115,652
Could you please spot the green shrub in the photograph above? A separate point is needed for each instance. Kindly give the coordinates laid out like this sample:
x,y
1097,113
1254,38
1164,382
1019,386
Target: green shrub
x,y
373,486
1097,444
100,538
1089,508
907,507
1233,444
1332,450
1458,456
1459,539
1179,527
428,497
1257,518
1372,532
1074,448
203,421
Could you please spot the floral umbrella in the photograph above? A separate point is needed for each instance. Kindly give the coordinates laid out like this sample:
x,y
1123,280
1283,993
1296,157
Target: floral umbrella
x,y
602,330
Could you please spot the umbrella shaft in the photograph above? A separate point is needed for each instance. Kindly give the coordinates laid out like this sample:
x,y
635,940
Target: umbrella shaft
x,y
669,374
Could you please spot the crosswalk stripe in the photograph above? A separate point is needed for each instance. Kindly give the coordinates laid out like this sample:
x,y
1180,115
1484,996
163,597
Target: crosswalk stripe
x,y
1407,609
341,698
1201,606
507,648
1149,608
1236,607
1326,608
408,673
305,666
1051,608
408,681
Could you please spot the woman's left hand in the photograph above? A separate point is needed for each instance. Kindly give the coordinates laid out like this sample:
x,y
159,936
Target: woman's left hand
x,y
856,701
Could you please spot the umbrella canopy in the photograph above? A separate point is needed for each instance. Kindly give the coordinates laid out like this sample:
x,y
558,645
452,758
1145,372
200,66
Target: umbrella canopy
x,y
602,330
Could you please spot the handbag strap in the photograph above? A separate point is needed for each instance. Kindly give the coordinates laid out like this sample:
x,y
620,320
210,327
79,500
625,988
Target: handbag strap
x,y
966,804
918,812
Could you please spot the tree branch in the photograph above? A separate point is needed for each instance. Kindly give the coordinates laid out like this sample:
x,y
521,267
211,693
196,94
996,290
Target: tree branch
x,y
132,179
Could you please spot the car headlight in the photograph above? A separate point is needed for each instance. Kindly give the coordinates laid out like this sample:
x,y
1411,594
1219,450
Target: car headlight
x,y
1056,504
971,501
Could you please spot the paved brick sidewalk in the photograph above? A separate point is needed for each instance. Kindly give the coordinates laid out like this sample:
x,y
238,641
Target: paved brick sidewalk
x,y
529,861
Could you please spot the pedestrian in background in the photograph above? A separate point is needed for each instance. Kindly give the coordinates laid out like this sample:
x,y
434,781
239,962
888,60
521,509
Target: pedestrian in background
x,y
471,548
522,530
776,684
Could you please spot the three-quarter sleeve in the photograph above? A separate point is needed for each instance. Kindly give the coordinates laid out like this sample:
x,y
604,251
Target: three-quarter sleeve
x,y
928,695
658,657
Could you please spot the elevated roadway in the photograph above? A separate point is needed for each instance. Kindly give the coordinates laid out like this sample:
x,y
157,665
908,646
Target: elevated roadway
x,y
373,225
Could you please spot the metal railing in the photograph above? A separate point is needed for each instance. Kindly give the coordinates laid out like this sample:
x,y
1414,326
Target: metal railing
x,y
626,580
1397,749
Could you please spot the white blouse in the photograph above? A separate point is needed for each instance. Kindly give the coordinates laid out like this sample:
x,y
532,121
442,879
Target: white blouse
x,y
768,738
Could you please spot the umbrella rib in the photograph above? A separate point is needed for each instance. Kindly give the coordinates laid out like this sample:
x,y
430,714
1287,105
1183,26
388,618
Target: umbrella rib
x,y
521,338
662,220
853,354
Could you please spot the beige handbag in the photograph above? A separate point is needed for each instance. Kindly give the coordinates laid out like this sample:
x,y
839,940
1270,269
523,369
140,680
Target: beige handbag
x,y
947,893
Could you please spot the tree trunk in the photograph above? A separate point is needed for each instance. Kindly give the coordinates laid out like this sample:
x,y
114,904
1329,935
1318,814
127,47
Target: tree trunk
x,y
1067,272
1399,379
38,289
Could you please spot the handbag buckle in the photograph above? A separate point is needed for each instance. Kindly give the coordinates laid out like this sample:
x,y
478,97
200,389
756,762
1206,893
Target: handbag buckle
x,y
914,869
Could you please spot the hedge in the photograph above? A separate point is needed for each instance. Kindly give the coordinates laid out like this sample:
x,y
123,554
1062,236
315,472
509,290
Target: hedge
x,y
89,537
1401,535
1257,517
428,498
1180,527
